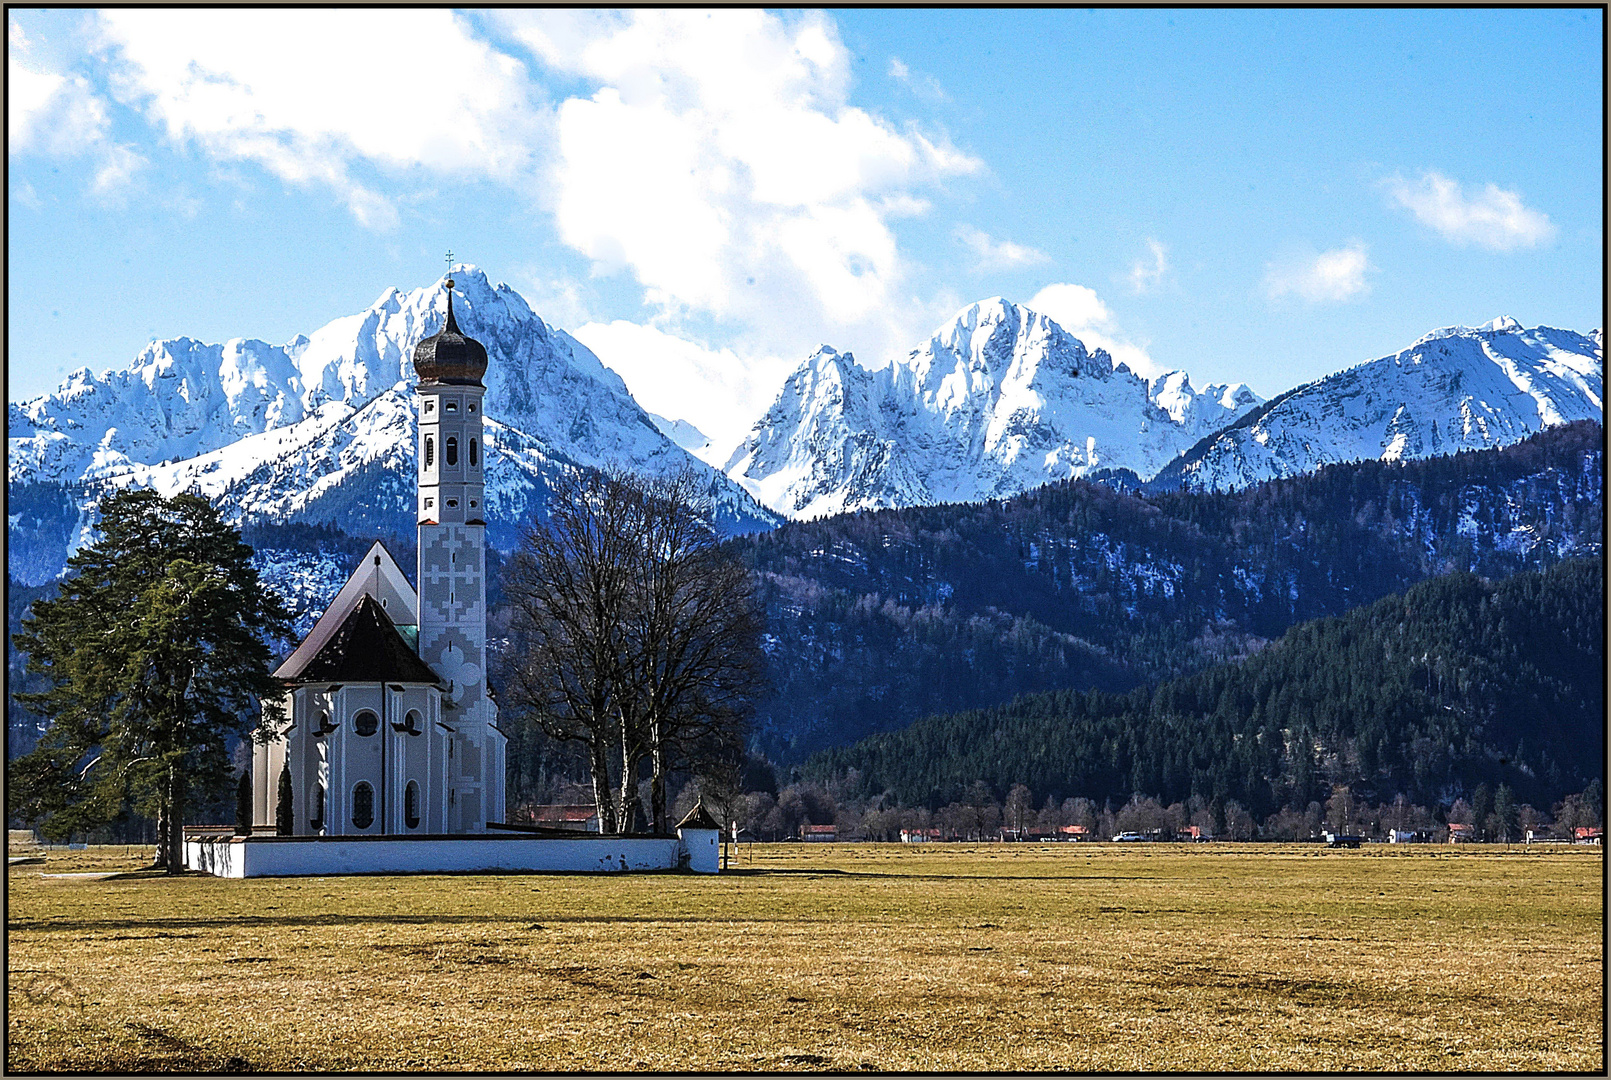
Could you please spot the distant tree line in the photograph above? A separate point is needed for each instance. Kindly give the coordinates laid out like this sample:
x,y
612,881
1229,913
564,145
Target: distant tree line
x,y
983,815
1455,684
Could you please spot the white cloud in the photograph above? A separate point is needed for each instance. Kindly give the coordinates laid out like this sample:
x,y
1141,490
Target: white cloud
x,y
1144,276
118,167
1495,219
719,162
1082,313
1331,276
926,87
989,254
309,96
48,110
60,114
716,390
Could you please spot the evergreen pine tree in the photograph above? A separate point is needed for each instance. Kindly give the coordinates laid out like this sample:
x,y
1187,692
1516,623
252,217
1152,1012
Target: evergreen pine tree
x,y
243,804
156,650
284,815
1507,813
1482,805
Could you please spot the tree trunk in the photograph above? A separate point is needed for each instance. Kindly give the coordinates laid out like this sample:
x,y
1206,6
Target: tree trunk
x,y
602,795
159,858
629,785
657,781
176,831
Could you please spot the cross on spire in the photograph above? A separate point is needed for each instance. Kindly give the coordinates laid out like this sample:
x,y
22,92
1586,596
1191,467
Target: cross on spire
x,y
450,268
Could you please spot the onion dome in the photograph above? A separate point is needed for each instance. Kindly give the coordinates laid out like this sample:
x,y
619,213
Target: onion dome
x,y
448,356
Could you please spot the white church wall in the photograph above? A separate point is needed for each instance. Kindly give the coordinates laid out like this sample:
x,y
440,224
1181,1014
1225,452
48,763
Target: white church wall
x,y
241,857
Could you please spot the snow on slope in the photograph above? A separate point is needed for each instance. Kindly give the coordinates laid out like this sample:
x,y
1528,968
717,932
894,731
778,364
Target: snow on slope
x,y
1455,389
322,427
1000,399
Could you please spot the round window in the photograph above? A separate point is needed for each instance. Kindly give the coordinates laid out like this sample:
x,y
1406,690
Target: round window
x,y
363,806
366,723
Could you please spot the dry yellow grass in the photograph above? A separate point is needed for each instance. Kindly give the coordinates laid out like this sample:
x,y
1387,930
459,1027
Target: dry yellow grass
x,y
996,957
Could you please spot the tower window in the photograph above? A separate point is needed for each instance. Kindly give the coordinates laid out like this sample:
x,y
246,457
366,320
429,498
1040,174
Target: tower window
x,y
451,406
453,504
471,406
472,453
430,450
363,805
450,450
430,405
411,805
429,503
472,504
366,723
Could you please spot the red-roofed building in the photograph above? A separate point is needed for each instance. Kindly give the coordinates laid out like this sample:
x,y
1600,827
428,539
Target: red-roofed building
x,y
1460,833
579,817
819,833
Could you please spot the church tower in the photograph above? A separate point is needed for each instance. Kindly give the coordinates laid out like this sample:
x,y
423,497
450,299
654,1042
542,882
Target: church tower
x,y
452,567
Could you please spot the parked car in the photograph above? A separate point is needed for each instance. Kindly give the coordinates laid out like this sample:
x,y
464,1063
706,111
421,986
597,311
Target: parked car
x,y
1128,837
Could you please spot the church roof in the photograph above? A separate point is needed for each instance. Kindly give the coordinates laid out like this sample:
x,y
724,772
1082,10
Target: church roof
x,y
699,818
365,648
449,356
376,575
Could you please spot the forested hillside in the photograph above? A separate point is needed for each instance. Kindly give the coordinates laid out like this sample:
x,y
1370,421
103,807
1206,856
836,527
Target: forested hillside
x,y
878,618
1456,682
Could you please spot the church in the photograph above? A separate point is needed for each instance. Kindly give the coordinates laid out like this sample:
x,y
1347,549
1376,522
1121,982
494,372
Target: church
x,y
392,730
392,753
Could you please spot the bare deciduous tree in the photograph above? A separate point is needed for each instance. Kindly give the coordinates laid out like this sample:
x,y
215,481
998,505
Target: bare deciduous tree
x,y
633,634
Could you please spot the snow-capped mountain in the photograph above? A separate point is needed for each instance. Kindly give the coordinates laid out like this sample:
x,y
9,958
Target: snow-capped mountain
x,y
1455,389
685,435
999,400
322,428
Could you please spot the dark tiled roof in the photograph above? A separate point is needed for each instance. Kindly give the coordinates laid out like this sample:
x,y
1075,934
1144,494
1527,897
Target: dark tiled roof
x,y
699,818
367,648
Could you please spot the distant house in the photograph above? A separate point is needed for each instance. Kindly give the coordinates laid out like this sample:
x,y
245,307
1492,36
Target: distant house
x,y
1545,836
1461,834
1406,836
1194,834
819,833
920,836
1074,832
1582,835
576,817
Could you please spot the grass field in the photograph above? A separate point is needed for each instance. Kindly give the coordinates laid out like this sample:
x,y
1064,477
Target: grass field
x,y
838,956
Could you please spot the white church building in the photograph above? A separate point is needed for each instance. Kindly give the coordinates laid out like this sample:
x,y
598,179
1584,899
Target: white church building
x,y
393,752
392,732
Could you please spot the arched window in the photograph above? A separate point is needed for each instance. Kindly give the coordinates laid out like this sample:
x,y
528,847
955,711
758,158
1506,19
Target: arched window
x,y
450,450
473,457
413,723
363,806
430,450
411,805
366,723
316,819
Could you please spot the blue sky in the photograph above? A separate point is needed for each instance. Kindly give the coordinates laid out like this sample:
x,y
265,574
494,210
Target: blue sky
x,y
1259,196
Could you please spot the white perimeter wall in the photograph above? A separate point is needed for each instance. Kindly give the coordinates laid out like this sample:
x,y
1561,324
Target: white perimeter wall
x,y
242,857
